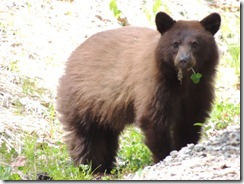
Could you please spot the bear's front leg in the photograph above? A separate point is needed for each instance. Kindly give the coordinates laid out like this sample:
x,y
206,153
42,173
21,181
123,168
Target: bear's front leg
x,y
186,133
157,138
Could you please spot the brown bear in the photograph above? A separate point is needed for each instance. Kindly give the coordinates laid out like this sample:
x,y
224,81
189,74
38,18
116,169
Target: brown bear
x,y
142,76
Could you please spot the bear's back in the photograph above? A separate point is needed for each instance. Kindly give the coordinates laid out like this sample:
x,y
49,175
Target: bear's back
x,y
107,68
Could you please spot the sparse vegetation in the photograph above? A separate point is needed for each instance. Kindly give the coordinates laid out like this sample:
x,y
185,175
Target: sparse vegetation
x,y
114,8
151,8
37,149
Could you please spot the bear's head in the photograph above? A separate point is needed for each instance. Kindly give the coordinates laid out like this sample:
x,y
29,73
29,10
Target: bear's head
x,y
188,45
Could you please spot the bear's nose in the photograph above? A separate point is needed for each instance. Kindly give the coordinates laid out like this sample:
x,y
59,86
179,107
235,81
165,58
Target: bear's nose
x,y
183,62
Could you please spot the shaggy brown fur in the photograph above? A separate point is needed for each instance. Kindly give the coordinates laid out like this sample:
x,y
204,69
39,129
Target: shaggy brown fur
x,y
129,75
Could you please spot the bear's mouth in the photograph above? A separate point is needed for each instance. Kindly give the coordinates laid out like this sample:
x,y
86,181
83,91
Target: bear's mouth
x,y
184,66
180,75
195,77
181,71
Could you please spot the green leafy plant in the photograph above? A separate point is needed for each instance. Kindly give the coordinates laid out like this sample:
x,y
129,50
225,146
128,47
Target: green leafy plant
x,y
195,77
14,66
113,7
225,113
118,13
28,85
156,6
133,153
205,128
6,173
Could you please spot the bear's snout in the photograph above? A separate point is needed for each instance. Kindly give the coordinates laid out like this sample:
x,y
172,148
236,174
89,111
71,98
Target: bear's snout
x,y
184,61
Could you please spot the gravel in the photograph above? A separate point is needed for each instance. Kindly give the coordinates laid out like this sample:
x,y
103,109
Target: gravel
x,y
215,159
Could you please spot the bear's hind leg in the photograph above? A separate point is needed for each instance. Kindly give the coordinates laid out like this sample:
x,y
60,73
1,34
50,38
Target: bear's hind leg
x,y
93,144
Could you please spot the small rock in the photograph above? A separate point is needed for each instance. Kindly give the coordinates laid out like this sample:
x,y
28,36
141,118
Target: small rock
x,y
199,147
174,153
190,146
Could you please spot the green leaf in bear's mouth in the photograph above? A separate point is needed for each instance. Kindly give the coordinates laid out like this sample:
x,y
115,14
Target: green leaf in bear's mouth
x,y
195,77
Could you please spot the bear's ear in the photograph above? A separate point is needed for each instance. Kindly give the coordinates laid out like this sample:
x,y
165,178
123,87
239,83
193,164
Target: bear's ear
x,y
211,23
163,22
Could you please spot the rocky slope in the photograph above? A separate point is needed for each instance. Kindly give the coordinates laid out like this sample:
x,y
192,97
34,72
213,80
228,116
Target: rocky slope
x,y
215,159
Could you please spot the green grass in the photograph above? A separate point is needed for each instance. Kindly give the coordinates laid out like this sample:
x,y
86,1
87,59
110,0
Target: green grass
x,y
53,159
6,173
133,152
234,58
41,158
231,38
224,113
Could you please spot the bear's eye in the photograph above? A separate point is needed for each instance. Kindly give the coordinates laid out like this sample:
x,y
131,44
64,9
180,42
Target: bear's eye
x,y
194,45
176,45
